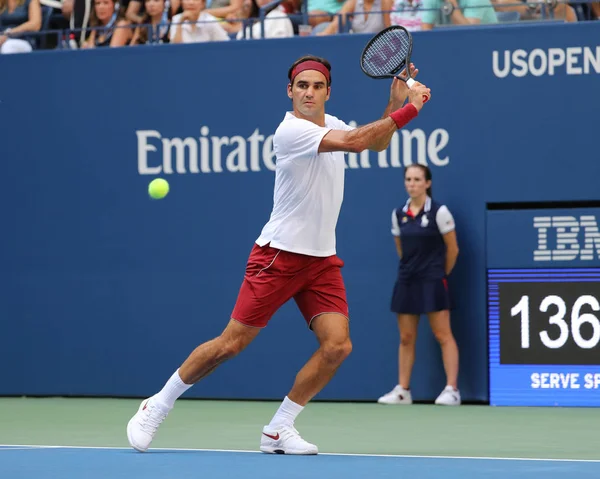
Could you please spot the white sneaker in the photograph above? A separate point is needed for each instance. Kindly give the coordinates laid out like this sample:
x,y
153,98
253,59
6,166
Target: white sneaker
x,y
142,427
398,395
448,397
285,440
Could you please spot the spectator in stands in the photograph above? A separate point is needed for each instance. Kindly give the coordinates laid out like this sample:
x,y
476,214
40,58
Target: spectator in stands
x,y
109,28
585,11
464,12
320,11
562,11
17,18
194,25
358,12
222,8
155,23
277,23
136,8
78,13
235,22
59,20
407,13
293,9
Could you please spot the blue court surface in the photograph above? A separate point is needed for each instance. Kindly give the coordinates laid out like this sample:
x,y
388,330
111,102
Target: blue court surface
x,y
35,462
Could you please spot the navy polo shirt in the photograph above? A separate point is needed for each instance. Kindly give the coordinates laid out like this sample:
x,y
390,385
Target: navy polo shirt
x,y
421,238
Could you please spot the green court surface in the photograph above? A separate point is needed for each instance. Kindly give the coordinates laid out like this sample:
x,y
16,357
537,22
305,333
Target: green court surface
x,y
352,428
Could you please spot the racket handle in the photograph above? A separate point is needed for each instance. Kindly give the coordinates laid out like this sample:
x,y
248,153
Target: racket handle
x,y
410,82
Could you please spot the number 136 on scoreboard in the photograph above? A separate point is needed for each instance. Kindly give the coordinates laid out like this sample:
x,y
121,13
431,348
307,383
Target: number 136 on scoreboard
x,y
550,323
544,336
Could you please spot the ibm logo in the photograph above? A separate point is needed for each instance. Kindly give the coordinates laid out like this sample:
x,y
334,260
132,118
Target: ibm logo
x,y
570,243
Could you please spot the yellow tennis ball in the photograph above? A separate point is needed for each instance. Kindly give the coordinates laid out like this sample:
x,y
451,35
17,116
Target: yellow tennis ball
x,y
158,188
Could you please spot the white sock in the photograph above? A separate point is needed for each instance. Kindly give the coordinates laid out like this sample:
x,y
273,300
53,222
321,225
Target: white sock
x,y
286,414
174,388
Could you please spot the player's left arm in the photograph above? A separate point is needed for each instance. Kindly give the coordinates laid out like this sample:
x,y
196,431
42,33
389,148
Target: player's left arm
x,y
398,96
445,223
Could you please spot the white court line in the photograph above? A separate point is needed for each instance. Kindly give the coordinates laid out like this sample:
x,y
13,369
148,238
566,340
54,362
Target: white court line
x,y
404,456
19,448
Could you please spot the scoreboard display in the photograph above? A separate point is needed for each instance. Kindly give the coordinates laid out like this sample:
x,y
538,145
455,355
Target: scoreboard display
x,y
543,321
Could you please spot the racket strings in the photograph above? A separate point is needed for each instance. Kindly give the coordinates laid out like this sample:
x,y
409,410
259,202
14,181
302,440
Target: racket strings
x,y
387,53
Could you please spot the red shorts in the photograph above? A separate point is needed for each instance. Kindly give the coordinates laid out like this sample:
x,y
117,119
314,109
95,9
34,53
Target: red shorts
x,y
274,276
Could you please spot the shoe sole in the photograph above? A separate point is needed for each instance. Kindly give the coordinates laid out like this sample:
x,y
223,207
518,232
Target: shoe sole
x,y
131,441
274,450
129,428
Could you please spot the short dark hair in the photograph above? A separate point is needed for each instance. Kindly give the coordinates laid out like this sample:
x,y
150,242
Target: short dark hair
x,y
307,58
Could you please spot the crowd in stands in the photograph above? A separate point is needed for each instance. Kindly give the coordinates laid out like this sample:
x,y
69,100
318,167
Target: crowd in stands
x,y
26,25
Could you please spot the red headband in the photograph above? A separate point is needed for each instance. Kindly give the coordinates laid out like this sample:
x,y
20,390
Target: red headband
x,y
311,65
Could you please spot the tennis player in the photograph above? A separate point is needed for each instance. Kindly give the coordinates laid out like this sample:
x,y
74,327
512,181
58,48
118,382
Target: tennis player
x,y
295,254
425,238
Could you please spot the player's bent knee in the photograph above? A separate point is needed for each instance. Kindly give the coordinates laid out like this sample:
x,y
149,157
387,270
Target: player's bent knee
x,y
336,352
230,347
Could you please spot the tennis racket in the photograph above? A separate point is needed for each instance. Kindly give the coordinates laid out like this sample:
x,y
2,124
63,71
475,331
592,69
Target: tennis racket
x,y
387,55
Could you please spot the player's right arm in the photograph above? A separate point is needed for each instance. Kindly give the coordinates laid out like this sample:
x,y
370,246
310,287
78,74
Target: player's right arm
x,y
368,136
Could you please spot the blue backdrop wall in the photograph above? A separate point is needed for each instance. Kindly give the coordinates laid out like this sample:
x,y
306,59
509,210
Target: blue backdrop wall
x,y
105,292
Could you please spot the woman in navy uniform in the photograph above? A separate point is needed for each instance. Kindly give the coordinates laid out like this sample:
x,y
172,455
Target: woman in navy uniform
x,y
426,243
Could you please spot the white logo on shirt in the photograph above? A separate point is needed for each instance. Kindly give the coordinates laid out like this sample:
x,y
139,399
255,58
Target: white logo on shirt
x,y
424,221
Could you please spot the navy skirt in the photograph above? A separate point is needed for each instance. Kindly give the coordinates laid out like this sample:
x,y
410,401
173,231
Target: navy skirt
x,y
420,297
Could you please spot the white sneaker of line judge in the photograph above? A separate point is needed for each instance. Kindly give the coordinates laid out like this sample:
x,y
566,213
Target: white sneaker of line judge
x,y
142,427
285,440
448,397
398,395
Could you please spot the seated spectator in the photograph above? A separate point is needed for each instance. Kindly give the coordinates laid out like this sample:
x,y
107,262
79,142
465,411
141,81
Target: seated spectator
x,y
135,10
78,13
562,11
58,20
293,9
407,13
17,18
155,24
320,11
108,26
277,23
234,22
222,8
194,25
465,12
361,18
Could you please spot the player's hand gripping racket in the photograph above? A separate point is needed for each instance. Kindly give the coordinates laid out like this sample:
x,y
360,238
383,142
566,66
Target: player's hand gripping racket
x,y
387,54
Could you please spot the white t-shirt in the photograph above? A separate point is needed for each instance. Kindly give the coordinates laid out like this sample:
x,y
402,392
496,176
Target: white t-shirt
x,y
207,29
309,188
277,25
